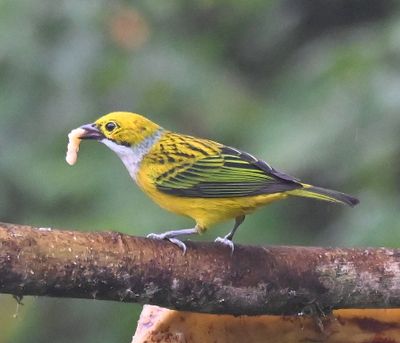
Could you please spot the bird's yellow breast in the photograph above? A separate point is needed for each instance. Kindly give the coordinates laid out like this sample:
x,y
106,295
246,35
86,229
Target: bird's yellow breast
x,y
168,155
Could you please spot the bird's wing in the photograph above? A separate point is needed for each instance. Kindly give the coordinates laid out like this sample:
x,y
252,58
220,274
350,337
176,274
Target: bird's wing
x,y
229,173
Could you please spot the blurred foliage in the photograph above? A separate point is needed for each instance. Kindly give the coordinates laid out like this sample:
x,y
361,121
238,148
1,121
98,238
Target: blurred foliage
x,y
310,86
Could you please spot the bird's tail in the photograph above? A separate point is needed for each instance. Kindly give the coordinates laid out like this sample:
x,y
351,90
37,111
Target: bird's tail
x,y
319,193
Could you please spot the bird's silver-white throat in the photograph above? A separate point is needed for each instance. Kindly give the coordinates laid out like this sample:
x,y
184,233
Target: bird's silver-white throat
x,y
132,156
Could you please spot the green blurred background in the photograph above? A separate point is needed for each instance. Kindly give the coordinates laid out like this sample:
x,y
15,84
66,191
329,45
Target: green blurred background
x,y
311,86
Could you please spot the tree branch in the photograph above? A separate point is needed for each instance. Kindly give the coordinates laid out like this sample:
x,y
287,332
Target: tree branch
x,y
255,280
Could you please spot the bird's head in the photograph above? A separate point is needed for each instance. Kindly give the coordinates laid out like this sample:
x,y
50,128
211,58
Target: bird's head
x,y
122,128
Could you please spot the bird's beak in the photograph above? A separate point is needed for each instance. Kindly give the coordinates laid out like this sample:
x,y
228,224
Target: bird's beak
x,y
91,132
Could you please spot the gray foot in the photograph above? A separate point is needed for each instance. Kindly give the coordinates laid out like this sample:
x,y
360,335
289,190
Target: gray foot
x,y
227,242
170,236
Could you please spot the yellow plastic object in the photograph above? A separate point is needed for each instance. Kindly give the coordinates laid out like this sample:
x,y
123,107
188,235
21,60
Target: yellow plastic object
x,y
161,325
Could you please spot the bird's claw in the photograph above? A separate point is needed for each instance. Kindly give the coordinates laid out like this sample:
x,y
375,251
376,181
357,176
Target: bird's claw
x,y
157,236
178,243
163,236
227,242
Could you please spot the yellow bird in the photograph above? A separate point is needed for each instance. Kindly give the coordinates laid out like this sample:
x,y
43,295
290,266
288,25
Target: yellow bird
x,y
195,177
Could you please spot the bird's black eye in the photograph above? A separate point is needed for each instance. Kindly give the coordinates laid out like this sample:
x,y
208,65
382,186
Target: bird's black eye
x,y
110,126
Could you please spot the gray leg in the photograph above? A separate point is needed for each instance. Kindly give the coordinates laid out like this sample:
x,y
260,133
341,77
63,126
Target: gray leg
x,y
227,240
170,236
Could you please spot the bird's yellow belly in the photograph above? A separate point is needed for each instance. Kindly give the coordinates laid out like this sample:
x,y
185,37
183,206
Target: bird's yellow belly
x,y
208,211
